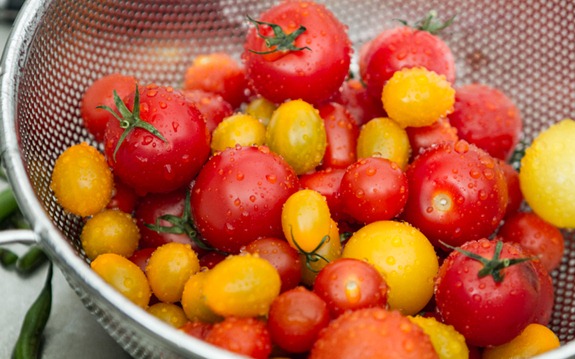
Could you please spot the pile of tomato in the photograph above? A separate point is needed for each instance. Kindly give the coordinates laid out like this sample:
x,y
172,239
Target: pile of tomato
x,y
277,206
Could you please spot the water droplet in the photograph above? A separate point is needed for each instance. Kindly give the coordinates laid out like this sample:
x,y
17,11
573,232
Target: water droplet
x,y
240,176
461,146
152,93
163,105
175,125
146,140
271,178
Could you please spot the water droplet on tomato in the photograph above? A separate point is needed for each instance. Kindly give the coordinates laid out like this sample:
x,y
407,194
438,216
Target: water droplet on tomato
x,y
271,178
360,193
151,93
390,260
175,125
371,171
461,146
237,202
146,140
230,227
474,173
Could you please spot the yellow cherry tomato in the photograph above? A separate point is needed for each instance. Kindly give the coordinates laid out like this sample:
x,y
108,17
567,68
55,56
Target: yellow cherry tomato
x,y
194,302
125,276
110,231
242,286
170,313
262,109
313,262
238,129
547,174
297,133
306,220
383,137
82,181
405,258
169,268
448,342
416,97
535,339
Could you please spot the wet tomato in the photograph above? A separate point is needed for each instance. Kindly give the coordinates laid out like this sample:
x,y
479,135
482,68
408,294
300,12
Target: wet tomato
x,y
341,134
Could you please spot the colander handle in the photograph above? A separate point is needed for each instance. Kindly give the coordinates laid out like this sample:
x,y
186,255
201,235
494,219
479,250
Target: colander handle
x,y
24,236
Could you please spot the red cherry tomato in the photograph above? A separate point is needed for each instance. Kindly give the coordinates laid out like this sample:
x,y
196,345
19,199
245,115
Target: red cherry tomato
x,y
295,319
238,195
341,134
311,65
490,309
362,107
426,136
457,193
246,336
123,197
514,194
327,182
349,284
211,105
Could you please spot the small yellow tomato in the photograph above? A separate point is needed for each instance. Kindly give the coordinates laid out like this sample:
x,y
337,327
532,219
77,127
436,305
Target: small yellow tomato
x,y
535,339
238,129
383,137
242,286
416,97
297,133
262,109
448,342
194,302
170,313
405,258
306,220
110,231
125,276
547,174
169,268
82,181
313,262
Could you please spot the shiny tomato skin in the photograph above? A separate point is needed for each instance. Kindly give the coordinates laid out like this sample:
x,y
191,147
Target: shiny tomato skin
x,y
487,312
238,195
514,194
403,47
245,336
362,107
373,189
311,75
147,163
457,193
327,182
295,319
426,136
211,105
341,134
347,284
123,198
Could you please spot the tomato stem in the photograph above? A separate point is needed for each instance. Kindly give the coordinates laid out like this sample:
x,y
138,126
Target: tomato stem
x,y
311,256
129,120
430,23
280,41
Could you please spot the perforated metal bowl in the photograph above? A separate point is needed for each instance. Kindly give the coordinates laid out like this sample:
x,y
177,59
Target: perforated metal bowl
x,y
59,47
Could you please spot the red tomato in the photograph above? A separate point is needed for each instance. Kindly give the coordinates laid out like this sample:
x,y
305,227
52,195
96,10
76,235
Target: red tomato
x,y
349,284
373,189
544,309
218,73
341,133
426,136
211,105
210,259
246,336
362,107
312,62
486,117
141,256
457,193
535,235
123,198
295,319
238,195
373,333
514,194
327,182
403,47
488,308
282,256
101,93
197,329
145,161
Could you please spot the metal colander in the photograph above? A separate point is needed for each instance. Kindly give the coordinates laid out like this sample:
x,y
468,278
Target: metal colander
x,y
59,47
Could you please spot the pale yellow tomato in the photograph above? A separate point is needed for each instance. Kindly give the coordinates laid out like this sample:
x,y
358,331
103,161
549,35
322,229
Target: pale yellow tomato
x,y
534,340
383,137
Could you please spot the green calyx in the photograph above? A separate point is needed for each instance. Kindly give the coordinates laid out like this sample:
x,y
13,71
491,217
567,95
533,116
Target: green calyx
x,y
129,120
430,23
181,225
280,41
311,256
495,265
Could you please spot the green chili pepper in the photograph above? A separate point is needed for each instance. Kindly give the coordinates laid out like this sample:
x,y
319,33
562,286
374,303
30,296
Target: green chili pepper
x,y
28,343
8,204
7,257
31,260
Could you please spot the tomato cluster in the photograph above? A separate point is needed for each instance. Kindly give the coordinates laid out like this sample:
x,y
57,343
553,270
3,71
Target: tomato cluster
x,y
275,206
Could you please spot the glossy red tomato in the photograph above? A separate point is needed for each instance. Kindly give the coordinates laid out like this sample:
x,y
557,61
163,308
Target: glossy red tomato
x,y
245,336
282,256
486,117
426,136
327,182
123,197
373,189
487,302
403,47
310,64
211,105
535,235
163,161
363,107
457,193
514,194
238,195
295,319
101,93
341,134
347,284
